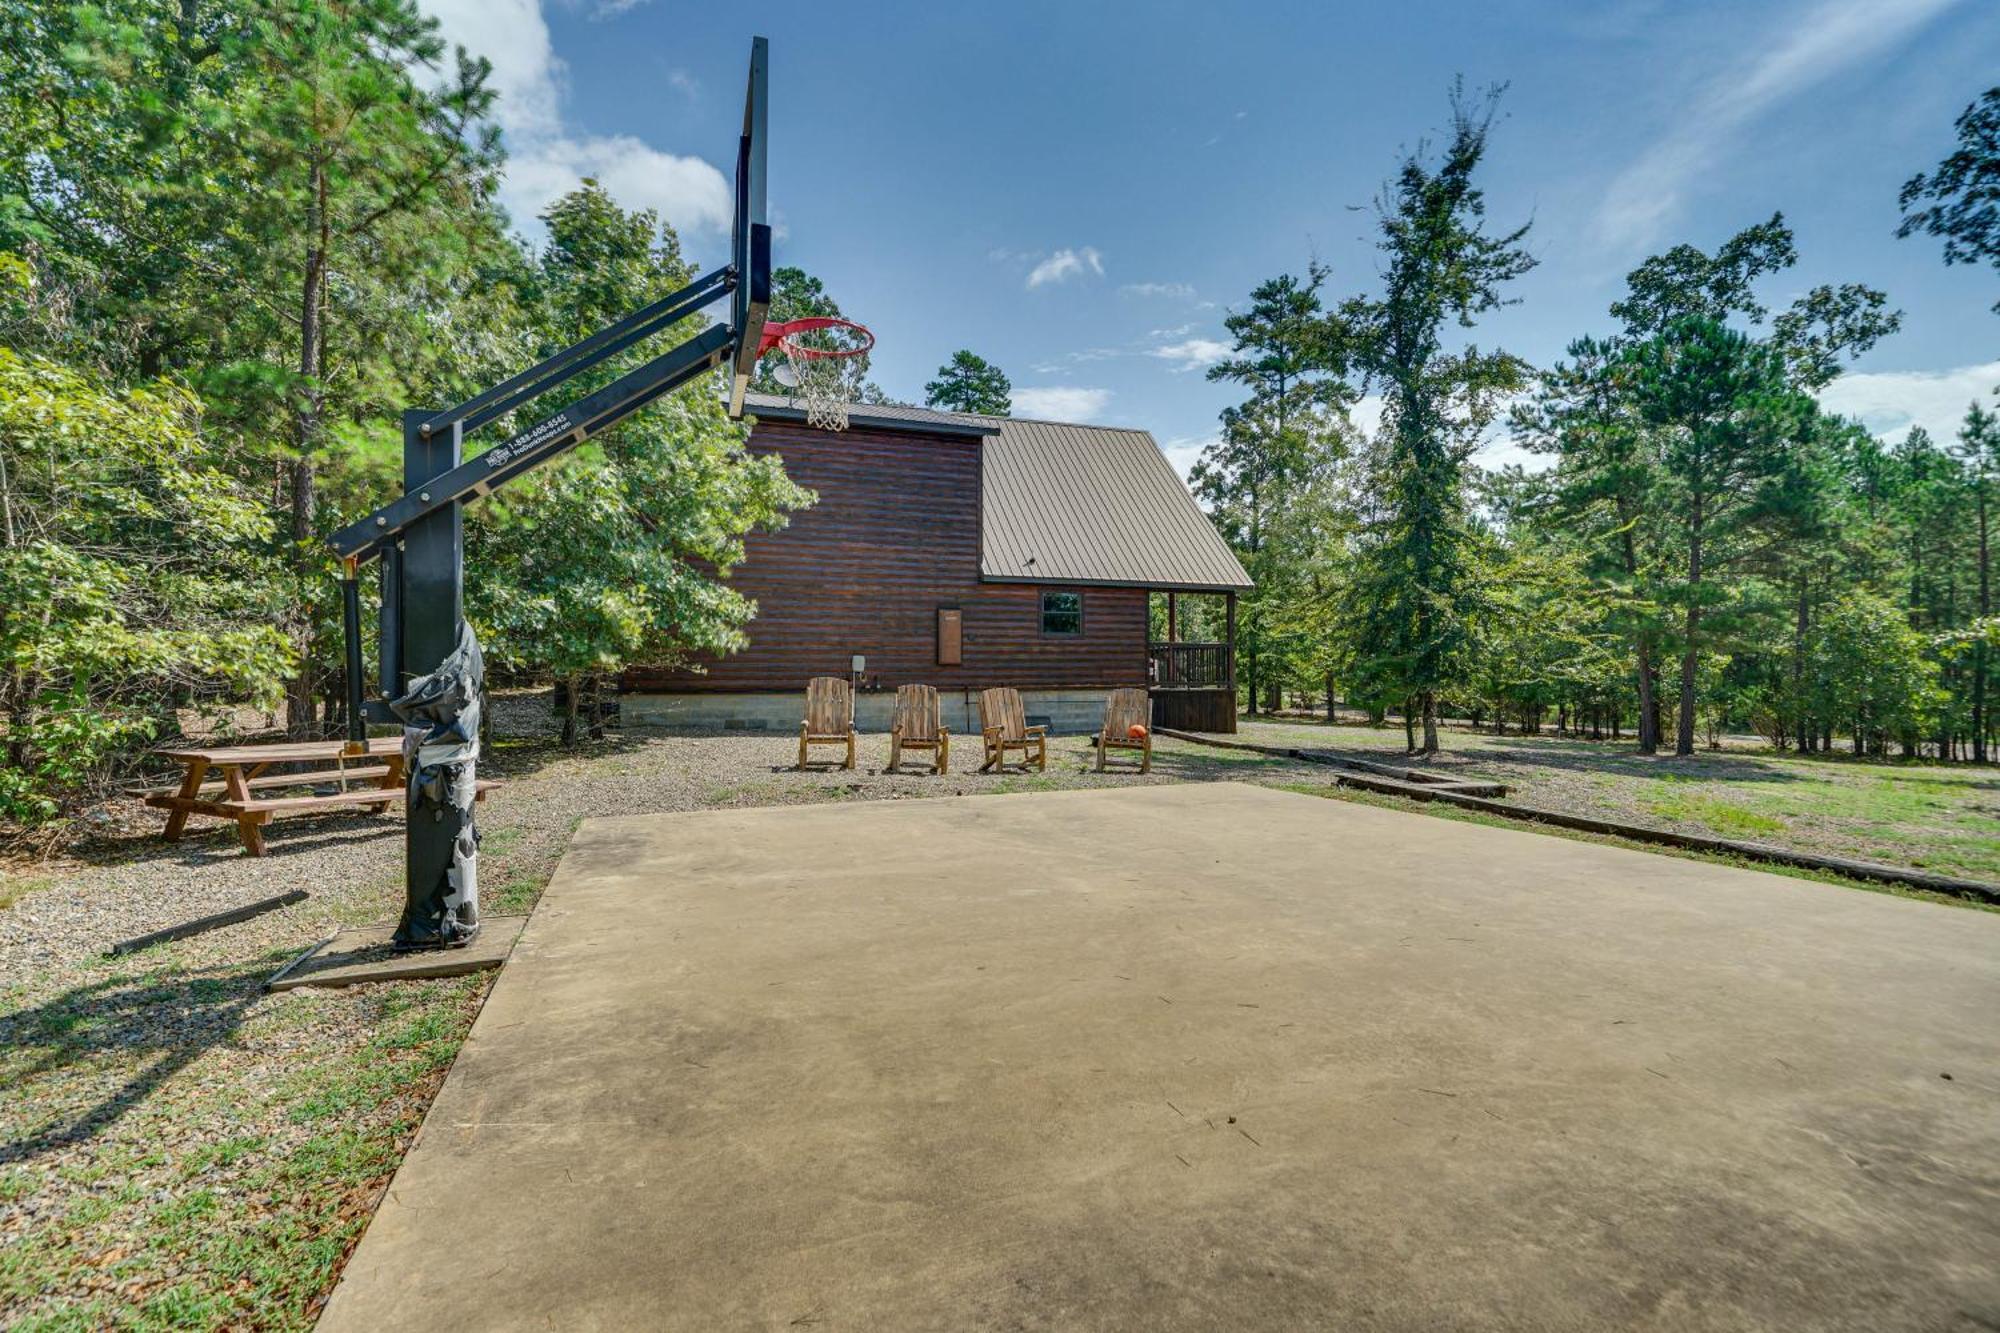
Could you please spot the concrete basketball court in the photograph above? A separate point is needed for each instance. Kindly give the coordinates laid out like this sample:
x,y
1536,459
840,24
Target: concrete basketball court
x,y
1199,1057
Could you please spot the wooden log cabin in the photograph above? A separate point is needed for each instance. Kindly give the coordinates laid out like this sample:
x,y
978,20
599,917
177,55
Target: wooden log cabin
x,y
963,552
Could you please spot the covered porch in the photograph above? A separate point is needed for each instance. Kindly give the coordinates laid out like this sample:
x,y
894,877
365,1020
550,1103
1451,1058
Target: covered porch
x,y
1191,659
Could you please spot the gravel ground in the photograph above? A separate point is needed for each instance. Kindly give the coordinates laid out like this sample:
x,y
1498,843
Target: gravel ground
x,y
178,1148
116,887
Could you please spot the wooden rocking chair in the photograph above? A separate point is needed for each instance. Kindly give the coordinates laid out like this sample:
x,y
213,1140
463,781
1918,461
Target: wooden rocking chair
x,y
919,725
829,718
1123,711
1004,726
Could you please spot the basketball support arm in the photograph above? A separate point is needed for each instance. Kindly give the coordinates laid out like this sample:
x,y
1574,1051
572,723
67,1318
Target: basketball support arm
x,y
381,532
555,434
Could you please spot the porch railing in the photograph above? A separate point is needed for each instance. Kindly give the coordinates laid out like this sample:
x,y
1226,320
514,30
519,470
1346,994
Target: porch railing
x,y
1190,666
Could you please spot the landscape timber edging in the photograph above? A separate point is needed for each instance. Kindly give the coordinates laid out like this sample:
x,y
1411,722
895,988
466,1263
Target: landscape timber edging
x,y
1950,885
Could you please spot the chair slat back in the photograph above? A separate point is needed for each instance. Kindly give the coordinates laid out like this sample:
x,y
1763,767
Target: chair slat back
x,y
829,705
1125,709
919,716
1001,707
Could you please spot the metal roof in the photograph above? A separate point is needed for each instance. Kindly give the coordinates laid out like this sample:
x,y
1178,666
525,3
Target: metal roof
x,y
1067,503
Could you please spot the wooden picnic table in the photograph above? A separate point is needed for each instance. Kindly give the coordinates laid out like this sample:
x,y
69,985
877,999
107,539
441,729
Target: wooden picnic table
x,y
224,782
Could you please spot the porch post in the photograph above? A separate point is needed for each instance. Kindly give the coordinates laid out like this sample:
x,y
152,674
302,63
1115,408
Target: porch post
x,y
1229,638
1173,617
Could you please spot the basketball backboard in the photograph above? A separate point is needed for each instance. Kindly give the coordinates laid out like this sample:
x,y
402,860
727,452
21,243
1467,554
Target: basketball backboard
x,y
750,238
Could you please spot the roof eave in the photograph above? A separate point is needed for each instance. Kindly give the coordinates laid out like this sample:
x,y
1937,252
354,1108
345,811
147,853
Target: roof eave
x,y
870,421
1155,585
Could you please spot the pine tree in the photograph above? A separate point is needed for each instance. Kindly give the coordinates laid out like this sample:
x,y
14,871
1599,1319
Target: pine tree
x,y
1273,443
1957,199
1979,452
970,383
1440,266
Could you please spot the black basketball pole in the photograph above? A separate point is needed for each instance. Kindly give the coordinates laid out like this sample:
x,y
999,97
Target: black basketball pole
x,y
433,552
433,614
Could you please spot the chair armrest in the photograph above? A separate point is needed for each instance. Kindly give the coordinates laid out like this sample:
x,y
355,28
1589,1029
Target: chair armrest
x,y
1038,730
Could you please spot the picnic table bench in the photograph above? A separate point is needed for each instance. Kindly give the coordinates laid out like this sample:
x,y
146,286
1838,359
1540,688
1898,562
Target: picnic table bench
x,y
225,782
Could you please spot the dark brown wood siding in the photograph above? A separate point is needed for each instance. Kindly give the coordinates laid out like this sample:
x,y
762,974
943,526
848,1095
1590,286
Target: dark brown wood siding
x,y
894,537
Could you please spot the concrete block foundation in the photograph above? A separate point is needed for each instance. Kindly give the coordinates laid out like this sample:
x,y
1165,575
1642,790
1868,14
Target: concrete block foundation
x,y
1065,712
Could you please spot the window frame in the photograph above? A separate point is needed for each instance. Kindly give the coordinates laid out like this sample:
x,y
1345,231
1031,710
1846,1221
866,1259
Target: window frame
x,y
1042,608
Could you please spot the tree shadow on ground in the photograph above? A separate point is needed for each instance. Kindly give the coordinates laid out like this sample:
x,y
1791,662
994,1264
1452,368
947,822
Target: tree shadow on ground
x,y
1573,757
161,1022
208,842
509,756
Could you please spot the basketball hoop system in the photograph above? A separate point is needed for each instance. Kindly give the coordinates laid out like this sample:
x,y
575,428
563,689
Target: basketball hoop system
x,y
817,351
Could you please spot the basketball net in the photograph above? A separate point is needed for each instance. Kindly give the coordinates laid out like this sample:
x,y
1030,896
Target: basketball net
x,y
817,351
822,387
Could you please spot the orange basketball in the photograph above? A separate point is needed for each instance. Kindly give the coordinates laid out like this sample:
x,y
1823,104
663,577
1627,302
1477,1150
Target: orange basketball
x,y
1136,732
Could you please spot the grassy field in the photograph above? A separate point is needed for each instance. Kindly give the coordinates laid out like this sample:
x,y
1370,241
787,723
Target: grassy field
x,y
180,1149
1945,819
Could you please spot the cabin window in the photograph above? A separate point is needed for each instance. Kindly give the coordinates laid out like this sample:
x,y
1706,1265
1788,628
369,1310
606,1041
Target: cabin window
x,y
1062,613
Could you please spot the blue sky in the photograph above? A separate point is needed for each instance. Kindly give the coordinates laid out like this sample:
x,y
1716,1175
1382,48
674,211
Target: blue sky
x,y
1080,192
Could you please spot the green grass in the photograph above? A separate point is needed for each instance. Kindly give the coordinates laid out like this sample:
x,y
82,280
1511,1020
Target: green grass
x,y
1713,813
1439,810
1015,783
13,888
244,1224
1915,813
499,842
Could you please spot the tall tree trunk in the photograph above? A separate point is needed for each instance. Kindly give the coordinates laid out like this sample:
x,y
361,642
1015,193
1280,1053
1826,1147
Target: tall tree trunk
x,y
1649,716
1430,703
1802,623
1691,654
1649,711
307,425
1980,648
1409,726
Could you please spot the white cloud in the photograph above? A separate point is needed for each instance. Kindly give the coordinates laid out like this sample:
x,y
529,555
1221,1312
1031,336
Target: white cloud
x,y
1502,450
1192,354
1889,402
1060,403
1185,451
684,82
687,191
1808,47
1177,290
547,158
1366,414
1065,264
